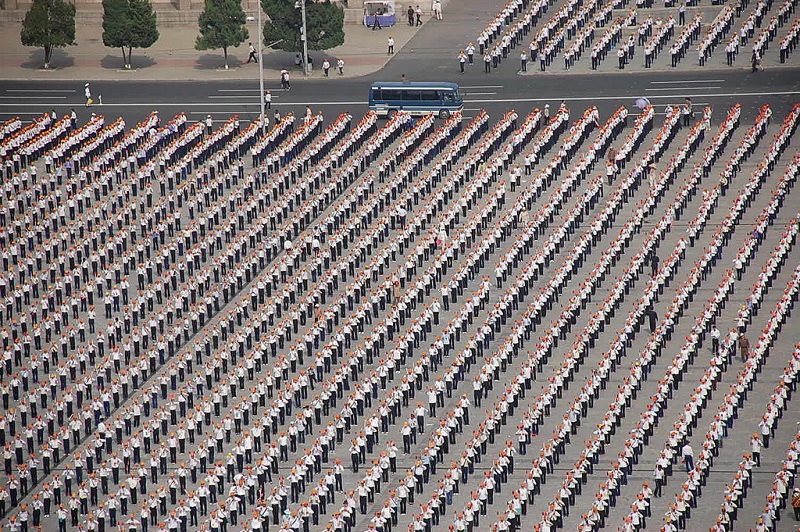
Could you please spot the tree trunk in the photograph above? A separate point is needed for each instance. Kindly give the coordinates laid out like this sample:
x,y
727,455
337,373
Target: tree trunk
x,y
225,52
124,61
48,52
130,53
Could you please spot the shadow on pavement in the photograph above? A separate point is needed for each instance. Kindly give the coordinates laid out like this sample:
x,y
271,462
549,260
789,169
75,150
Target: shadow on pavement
x,y
60,59
114,61
216,62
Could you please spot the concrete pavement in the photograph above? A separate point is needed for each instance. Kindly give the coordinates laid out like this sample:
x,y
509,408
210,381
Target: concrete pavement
x,y
173,56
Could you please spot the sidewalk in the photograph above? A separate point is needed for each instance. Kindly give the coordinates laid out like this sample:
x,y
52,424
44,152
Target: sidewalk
x,y
173,56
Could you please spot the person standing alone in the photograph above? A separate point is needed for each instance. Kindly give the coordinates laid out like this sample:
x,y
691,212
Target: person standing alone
x,y
252,57
390,45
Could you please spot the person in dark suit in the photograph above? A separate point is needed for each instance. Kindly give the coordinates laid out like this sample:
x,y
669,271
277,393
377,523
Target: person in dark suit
x,y
654,262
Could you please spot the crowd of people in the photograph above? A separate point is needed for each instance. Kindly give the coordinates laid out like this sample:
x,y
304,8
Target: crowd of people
x,y
190,341
579,26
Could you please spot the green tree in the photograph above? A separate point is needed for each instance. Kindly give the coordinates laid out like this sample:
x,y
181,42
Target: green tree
x,y
129,24
49,24
324,22
222,25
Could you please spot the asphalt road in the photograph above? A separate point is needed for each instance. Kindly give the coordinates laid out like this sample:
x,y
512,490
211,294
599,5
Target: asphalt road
x,y
496,92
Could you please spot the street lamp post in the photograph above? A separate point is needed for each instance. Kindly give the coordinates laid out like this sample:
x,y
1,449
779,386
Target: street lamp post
x,y
261,70
304,36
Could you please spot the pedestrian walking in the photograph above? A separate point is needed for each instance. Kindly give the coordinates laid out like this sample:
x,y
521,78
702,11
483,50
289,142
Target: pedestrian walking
x,y
523,61
326,67
755,62
252,57
682,14
268,99
340,66
410,16
437,9
487,63
87,91
418,14
285,80
621,56
390,45
462,60
376,24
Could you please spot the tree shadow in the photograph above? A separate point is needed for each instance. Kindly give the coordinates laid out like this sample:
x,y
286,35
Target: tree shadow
x,y
60,59
114,61
279,59
217,62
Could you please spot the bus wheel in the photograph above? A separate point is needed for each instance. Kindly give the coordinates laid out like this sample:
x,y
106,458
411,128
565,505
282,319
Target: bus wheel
x,y
391,114
444,114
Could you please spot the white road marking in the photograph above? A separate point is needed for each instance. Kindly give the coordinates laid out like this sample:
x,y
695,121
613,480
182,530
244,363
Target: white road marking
x,y
41,90
251,90
217,120
480,86
628,97
20,114
239,96
188,105
34,97
624,97
481,93
698,104
687,81
683,88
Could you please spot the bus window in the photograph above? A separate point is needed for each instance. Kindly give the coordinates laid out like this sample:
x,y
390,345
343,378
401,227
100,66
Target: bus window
x,y
430,96
448,97
411,95
391,95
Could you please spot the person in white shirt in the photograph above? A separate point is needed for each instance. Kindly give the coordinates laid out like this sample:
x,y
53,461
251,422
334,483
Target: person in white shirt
x,y
688,456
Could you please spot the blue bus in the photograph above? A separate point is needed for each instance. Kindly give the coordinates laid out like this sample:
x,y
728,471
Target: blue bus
x,y
417,98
